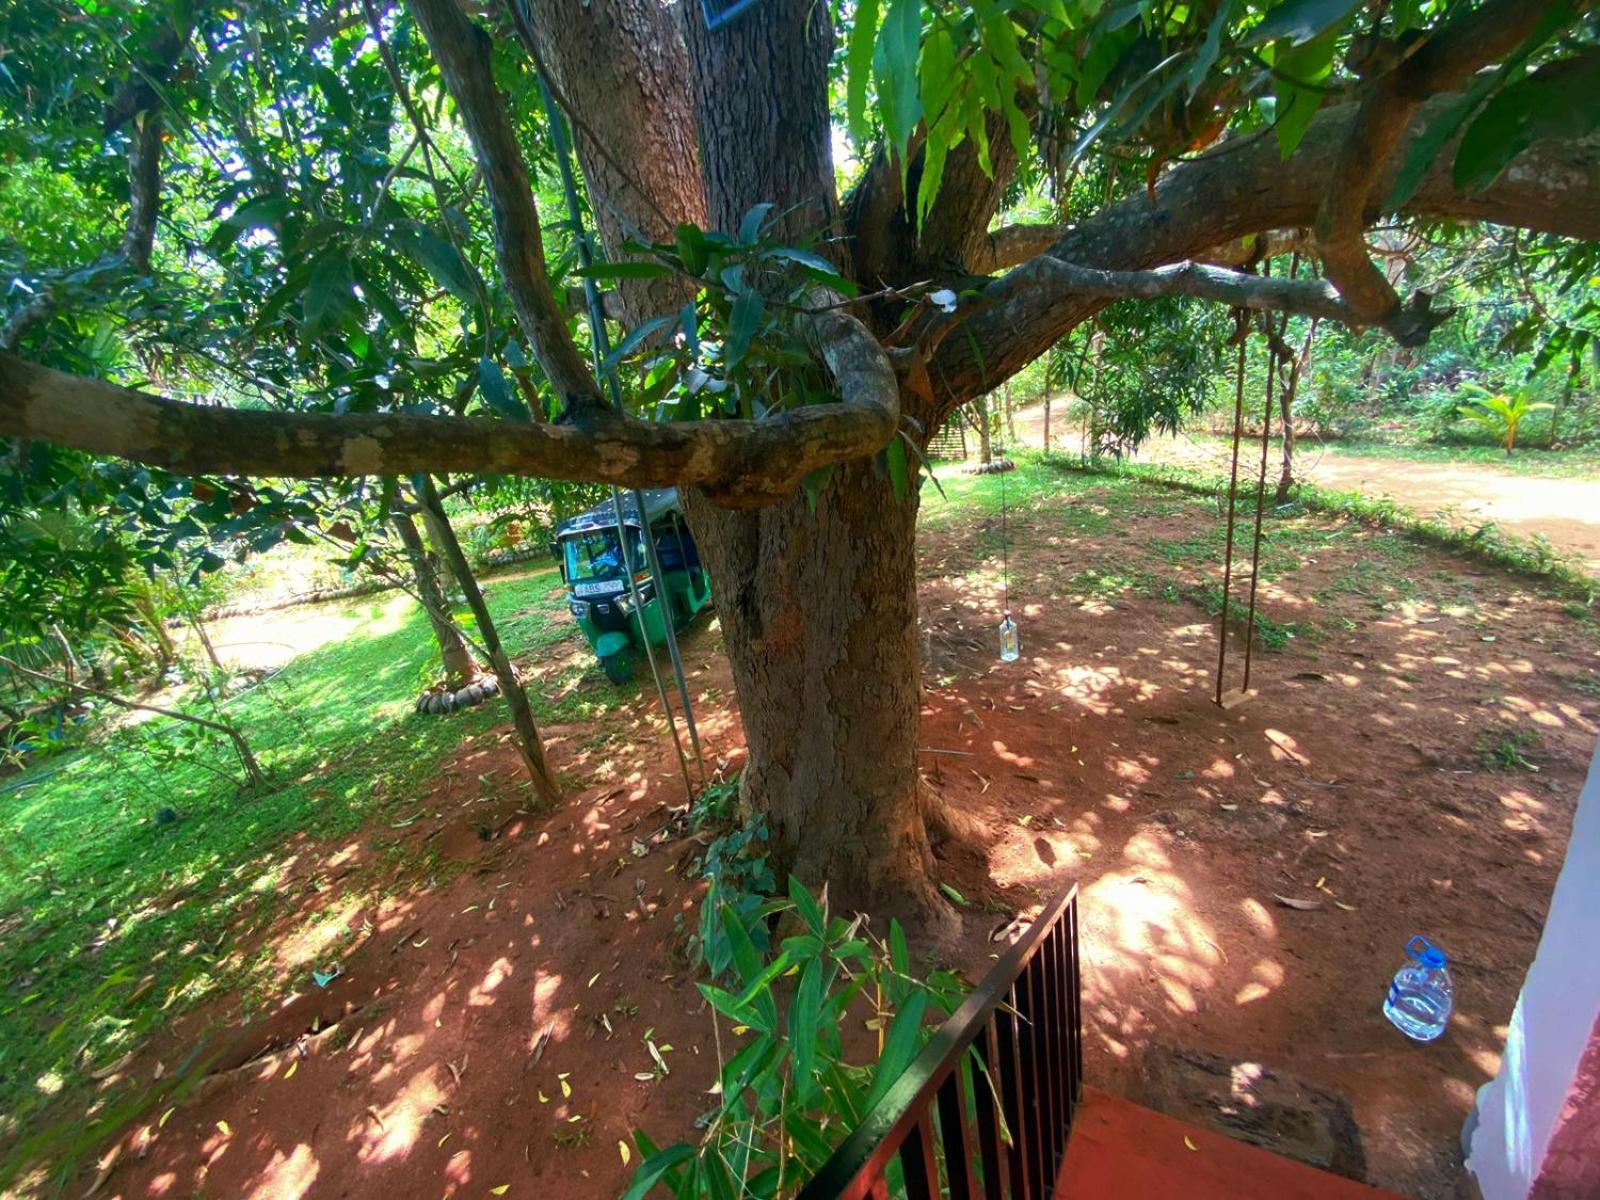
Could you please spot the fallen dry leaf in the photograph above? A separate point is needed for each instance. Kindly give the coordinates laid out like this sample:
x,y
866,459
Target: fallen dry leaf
x,y
1292,902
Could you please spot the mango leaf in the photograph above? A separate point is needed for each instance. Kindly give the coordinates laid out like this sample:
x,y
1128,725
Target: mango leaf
x,y
808,908
750,225
637,335
815,482
497,393
1205,58
743,322
328,294
1425,147
440,259
895,66
1308,64
1301,20
858,68
1561,100
693,251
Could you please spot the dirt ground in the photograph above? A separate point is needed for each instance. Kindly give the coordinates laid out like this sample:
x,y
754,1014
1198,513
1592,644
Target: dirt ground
x,y
1567,511
488,1035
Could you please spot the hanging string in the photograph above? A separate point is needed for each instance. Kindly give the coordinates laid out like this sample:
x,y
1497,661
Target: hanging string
x,y
1243,334
1005,555
1274,359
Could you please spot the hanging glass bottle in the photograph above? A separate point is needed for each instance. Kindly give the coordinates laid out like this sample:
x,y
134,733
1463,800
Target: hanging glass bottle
x,y
1010,644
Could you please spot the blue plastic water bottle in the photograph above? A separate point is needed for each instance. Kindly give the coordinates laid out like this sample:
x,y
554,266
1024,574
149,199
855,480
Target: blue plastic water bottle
x,y
1421,996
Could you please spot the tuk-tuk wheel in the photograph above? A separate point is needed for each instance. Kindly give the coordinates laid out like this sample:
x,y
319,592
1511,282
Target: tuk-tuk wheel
x,y
617,667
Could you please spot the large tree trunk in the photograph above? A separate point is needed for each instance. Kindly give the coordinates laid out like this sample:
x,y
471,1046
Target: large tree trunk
x,y
819,614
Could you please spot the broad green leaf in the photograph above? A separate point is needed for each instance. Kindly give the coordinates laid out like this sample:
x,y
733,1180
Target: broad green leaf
x,y
895,64
1425,147
743,322
497,393
750,225
806,905
1311,63
858,68
635,338
1301,20
894,455
1561,101
899,1048
1205,58
328,294
693,251
440,259
803,1014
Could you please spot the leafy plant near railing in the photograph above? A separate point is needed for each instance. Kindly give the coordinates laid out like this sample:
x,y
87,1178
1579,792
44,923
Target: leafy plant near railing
x,y
736,866
788,1087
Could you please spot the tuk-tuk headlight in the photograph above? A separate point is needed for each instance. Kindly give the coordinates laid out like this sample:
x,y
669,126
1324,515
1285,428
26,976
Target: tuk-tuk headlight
x,y
578,608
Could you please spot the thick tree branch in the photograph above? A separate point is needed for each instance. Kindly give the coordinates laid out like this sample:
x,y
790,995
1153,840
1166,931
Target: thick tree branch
x,y
741,464
465,58
1439,63
1012,245
1409,325
1553,187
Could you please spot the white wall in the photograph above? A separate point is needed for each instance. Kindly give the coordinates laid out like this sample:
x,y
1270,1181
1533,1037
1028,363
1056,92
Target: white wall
x,y
1517,1110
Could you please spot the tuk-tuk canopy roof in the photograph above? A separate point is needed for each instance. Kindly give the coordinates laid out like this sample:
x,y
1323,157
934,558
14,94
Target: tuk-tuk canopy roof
x,y
657,502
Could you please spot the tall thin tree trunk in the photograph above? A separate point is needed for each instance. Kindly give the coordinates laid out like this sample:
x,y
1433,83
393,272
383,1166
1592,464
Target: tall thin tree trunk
x,y
454,653
1011,418
529,744
985,433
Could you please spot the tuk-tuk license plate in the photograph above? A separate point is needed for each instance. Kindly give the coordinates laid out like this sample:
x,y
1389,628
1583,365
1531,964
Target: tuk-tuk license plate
x,y
604,587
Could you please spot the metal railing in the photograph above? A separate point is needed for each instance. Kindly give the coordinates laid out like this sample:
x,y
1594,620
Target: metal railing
x,y
984,1111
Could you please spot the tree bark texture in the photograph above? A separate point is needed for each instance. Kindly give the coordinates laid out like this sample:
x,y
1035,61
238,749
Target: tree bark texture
x,y
819,614
454,654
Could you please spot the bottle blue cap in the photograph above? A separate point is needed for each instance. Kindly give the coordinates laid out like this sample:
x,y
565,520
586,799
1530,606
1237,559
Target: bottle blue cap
x,y
1426,953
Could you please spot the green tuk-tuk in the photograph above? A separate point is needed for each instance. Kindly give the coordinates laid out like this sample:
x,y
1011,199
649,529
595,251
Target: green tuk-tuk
x,y
595,571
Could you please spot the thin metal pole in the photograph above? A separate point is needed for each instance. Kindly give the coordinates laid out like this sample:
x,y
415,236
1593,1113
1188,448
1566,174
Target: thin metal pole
x,y
600,347
1233,488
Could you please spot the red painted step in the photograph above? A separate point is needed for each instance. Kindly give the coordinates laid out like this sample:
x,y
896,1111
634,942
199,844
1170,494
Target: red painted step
x,y
1120,1151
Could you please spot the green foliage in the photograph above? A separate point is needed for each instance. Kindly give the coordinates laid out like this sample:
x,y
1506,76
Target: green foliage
x,y
789,1088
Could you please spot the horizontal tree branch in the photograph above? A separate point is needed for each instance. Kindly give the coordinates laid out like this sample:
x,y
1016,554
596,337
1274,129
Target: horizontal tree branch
x,y
1012,245
740,464
1553,186
1445,60
1409,325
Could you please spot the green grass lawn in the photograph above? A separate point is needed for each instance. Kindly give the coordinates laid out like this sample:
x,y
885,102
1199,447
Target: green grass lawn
x,y
112,924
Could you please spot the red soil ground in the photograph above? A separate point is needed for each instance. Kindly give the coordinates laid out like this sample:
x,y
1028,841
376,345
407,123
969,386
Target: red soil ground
x,y
489,1030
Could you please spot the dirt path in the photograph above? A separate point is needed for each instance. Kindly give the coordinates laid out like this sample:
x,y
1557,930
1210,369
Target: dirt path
x,y
490,1029
1567,511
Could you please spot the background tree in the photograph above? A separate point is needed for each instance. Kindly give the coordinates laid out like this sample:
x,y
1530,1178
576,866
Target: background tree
x,y
383,251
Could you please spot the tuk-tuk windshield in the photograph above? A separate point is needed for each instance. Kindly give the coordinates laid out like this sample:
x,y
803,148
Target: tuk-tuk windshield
x,y
597,554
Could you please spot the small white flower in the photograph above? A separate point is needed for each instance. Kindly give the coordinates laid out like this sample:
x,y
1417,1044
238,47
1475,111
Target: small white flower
x,y
945,299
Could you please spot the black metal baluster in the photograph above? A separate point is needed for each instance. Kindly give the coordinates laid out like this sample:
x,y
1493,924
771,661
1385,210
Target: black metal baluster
x,y
955,1135
986,1093
1011,1092
916,1157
